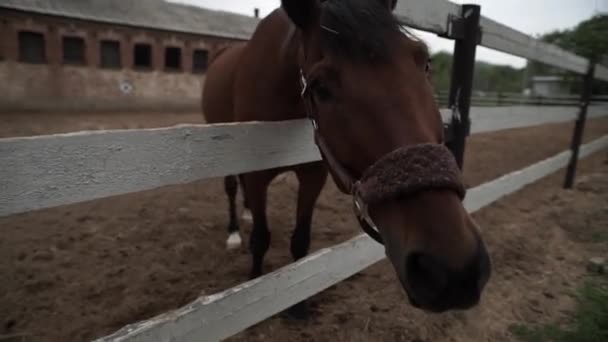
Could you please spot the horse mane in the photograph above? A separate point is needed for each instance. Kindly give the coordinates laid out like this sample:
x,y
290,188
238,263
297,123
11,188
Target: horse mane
x,y
359,30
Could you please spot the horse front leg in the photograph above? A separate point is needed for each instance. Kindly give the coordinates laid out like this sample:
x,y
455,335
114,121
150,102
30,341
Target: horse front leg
x,y
246,214
231,188
311,178
255,186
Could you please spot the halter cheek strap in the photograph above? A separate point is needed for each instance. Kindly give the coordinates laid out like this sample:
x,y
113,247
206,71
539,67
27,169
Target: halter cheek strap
x,y
341,176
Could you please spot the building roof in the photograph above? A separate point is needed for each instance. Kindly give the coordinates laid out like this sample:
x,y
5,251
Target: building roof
x,y
155,14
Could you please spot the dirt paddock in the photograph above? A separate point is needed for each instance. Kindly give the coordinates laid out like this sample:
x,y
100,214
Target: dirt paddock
x,y
81,271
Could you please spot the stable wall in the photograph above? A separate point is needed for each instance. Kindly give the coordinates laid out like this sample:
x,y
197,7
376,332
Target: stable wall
x,y
54,85
30,87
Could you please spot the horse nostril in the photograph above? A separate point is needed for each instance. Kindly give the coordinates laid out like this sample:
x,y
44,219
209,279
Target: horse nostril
x,y
426,275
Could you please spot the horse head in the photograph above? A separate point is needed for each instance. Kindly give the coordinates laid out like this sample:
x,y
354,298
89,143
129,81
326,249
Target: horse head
x,y
366,89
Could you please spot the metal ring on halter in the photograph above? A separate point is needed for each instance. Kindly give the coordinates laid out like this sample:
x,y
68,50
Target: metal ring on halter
x,y
361,210
456,108
303,83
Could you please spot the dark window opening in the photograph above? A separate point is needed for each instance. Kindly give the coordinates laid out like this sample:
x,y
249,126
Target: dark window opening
x,y
109,54
142,56
32,47
73,50
173,58
199,61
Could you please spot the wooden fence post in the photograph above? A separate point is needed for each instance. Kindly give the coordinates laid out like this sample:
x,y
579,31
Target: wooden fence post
x,y
467,34
579,126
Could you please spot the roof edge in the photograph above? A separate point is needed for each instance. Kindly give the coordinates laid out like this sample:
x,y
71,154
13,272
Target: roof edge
x,y
123,23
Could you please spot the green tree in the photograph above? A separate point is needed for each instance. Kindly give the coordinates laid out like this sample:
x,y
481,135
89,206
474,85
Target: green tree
x,y
441,70
588,39
488,77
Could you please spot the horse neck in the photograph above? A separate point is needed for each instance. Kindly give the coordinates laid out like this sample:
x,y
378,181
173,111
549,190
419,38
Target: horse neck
x,y
273,53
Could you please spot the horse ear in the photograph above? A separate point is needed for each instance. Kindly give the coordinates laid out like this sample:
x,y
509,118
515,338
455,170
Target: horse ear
x,y
390,4
303,13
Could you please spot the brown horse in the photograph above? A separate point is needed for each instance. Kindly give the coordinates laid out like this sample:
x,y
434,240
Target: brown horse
x,y
350,67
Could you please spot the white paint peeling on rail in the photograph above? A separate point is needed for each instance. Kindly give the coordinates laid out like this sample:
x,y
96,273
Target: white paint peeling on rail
x,y
218,316
47,171
215,317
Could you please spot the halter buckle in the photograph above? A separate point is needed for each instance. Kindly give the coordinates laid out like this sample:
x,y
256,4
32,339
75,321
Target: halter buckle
x,y
456,107
303,83
314,124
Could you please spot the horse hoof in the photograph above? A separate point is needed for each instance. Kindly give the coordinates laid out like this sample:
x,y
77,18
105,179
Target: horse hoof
x,y
246,216
234,241
300,312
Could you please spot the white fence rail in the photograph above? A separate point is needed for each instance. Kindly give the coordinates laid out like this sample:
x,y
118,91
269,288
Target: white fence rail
x,y
47,171
503,38
212,318
488,119
434,16
428,15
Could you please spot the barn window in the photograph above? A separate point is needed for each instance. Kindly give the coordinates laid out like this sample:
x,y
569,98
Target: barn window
x,y
142,56
173,58
32,48
199,61
73,50
109,51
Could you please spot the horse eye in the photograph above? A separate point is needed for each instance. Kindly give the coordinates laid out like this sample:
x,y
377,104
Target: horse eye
x,y
321,92
427,67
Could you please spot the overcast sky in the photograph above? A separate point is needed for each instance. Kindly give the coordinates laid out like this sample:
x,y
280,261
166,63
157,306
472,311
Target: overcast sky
x,y
529,16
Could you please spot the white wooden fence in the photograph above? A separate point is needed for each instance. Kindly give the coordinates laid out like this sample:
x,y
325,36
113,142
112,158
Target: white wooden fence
x,y
214,317
47,171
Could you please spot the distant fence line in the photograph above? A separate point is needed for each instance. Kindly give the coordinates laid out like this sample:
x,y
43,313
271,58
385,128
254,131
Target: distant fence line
x,y
486,99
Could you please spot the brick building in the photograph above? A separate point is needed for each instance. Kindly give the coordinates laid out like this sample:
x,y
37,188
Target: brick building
x,y
114,55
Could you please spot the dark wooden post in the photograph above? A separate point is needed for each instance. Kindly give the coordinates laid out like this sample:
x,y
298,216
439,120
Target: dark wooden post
x,y
579,126
467,37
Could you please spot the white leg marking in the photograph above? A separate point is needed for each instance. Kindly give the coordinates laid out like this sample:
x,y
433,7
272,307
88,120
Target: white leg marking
x,y
246,216
234,241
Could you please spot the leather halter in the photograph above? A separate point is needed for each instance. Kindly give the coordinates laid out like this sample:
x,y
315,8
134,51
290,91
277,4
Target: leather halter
x,y
343,179
410,169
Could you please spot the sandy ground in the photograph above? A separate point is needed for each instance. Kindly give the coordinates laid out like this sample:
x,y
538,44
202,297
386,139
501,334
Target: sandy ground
x,y
76,272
